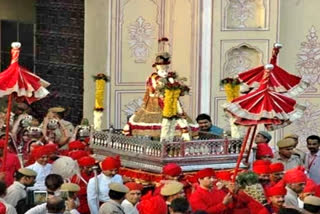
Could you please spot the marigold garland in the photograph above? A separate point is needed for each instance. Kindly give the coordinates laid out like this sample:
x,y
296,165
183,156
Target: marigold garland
x,y
231,87
170,101
100,80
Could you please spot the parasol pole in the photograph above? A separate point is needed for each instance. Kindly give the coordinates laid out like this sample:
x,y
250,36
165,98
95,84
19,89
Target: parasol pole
x,y
243,147
251,142
5,148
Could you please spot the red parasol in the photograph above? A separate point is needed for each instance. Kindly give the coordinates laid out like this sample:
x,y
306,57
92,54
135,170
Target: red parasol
x,y
280,80
17,81
263,106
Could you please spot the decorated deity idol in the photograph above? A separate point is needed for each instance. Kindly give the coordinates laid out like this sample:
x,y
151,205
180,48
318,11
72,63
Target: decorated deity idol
x,y
161,114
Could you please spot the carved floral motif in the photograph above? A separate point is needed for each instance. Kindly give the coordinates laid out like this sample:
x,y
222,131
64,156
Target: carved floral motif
x,y
241,11
238,61
132,106
309,124
308,63
141,36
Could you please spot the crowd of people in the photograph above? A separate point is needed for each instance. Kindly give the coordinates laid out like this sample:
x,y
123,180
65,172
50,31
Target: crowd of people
x,y
50,169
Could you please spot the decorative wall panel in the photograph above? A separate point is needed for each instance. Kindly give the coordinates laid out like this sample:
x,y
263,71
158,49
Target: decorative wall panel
x,y
137,32
245,14
308,62
241,58
241,55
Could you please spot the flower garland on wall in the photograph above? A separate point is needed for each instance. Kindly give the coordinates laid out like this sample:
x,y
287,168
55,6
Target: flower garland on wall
x,y
100,80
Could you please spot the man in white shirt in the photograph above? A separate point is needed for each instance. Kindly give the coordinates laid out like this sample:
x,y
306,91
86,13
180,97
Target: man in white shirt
x,y
98,189
41,166
312,162
132,198
9,208
16,193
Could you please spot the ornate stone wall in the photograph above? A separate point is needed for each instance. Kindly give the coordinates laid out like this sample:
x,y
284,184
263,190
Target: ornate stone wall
x,y
59,53
126,45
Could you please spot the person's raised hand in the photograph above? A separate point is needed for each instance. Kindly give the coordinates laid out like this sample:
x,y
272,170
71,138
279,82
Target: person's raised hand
x,y
227,199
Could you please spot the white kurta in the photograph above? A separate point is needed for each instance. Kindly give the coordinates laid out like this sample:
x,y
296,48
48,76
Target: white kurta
x,y
42,172
129,208
103,190
42,209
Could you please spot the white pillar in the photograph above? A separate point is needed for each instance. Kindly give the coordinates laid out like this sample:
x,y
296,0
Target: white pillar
x,y
206,45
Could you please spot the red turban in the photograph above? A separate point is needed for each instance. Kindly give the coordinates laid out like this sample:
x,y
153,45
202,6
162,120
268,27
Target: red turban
x,y
51,147
261,167
295,175
224,175
172,169
75,155
76,145
38,152
208,172
152,204
110,163
86,161
134,186
263,150
276,167
278,189
311,186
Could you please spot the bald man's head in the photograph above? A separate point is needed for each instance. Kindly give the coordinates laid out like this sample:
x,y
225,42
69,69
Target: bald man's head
x,y
55,205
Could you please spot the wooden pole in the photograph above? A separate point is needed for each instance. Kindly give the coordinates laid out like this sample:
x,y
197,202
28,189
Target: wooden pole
x,y
5,148
251,142
243,147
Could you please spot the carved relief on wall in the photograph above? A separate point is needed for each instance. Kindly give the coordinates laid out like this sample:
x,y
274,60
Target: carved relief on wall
x,y
245,14
132,106
141,37
241,58
308,63
137,25
126,103
309,124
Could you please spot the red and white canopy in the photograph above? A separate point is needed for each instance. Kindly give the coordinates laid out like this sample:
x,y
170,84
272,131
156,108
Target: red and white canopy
x,y
18,80
280,80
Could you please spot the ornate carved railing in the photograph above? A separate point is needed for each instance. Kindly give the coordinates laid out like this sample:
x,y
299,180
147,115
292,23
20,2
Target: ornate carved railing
x,y
145,154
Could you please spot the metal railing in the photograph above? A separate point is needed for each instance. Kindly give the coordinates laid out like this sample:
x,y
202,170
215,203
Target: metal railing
x,y
142,152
